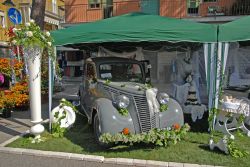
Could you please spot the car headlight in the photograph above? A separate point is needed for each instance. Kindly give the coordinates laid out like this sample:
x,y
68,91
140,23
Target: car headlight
x,y
122,101
163,98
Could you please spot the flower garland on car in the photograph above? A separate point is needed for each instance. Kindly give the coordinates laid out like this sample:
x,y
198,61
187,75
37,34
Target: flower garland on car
x,y
157,137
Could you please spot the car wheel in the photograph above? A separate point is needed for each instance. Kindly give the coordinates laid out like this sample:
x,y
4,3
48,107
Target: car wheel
x,y
97,132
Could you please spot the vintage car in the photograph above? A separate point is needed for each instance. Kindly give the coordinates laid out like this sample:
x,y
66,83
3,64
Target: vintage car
x,y
111,86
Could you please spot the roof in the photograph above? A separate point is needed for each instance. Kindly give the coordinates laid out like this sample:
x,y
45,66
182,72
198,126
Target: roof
x,y
136,27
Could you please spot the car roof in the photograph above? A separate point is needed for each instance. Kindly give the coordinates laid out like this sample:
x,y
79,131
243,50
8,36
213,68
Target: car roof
x,y
99,60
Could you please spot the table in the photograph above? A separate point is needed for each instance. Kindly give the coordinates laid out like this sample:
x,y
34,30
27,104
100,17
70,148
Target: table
x,y
196,111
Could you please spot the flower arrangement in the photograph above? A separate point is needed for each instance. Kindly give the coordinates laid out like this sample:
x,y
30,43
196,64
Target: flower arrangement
x,y
6,68
30,35
157,137
1,79
16,97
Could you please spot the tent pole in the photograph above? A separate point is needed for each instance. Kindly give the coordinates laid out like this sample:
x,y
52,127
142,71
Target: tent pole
x,y
50,94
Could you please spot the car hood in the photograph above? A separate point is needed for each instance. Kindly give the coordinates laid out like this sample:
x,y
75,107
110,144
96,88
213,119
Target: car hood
x,y
130,87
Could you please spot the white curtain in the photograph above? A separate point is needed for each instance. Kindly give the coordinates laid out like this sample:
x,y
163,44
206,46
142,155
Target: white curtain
x,y
138,55
215,62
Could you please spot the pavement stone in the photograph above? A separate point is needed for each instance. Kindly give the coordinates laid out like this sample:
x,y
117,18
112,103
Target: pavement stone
x,y
139,162
191,165
125,161
150,163
174,164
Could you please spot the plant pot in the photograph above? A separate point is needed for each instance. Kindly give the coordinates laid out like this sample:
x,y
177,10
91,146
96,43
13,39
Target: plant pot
x,y
6,113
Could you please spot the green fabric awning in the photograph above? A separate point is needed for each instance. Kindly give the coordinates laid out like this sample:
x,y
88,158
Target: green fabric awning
x,y
136,27
238,30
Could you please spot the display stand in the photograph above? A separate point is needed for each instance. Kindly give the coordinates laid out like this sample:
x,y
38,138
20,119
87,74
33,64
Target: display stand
x,y
227,119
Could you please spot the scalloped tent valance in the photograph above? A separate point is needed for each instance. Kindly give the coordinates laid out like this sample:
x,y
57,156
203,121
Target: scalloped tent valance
x,y
136,27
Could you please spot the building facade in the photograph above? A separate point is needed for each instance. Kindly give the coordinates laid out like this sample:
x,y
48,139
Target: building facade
x,y
81,11
54,15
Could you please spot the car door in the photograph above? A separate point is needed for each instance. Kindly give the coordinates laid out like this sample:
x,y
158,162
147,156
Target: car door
x,y
87,84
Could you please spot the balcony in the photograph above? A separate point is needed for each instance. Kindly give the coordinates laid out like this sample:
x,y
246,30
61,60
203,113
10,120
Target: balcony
x,y
76,13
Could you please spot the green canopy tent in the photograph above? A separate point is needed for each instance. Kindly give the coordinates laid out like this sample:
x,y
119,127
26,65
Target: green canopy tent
x,y
136,27
238,30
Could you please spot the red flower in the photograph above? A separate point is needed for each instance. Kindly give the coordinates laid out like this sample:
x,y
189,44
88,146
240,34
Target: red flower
x,y
10,32
125,131
176,126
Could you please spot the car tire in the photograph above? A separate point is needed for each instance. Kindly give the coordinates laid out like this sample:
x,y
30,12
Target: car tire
x,y
97,132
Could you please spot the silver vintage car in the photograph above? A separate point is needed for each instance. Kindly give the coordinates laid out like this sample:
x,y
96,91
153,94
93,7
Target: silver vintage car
x,y
111,85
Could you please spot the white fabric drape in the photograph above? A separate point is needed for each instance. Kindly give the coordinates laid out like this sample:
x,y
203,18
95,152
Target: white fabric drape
x,y
215,63
138,55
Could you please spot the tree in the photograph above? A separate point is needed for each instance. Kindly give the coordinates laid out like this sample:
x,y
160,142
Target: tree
x,y
38,12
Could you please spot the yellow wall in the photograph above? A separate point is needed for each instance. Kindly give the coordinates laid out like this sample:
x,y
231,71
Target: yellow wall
x,y
4,8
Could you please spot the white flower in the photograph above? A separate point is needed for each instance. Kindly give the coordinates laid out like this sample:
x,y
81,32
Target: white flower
x,y
49,43
32,21
29,33
27,24
47,34
14,42
14,29
137,87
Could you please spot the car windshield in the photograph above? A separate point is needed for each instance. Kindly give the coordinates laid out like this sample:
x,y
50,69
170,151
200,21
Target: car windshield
x,y
121,72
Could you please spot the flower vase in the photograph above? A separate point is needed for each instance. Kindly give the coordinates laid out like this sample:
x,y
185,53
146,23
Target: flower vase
x,y
33,58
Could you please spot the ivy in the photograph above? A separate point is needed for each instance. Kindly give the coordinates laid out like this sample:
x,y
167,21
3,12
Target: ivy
x,y
163,107
123,111
157,137
65,102
234,150
57,130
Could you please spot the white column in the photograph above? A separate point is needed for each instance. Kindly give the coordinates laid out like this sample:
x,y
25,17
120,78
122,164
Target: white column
x,y
33,57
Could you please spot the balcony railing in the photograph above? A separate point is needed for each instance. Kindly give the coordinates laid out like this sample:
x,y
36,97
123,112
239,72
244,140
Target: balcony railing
x,y
169,8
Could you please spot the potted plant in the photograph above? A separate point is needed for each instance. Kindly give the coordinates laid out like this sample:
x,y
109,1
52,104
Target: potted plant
x,y
8,105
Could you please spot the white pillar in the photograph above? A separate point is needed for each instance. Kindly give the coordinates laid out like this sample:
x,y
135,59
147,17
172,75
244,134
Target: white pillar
x,y
33,57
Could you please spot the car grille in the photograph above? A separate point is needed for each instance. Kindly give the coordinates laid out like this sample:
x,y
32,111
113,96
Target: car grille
x,y
147,121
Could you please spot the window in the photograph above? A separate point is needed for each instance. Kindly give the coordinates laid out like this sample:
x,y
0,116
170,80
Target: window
x,y
210,0
54,6
94,4
121,72
25,10
2,20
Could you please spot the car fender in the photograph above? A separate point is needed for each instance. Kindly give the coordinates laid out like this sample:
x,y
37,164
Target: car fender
x,y
172,115
111,120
